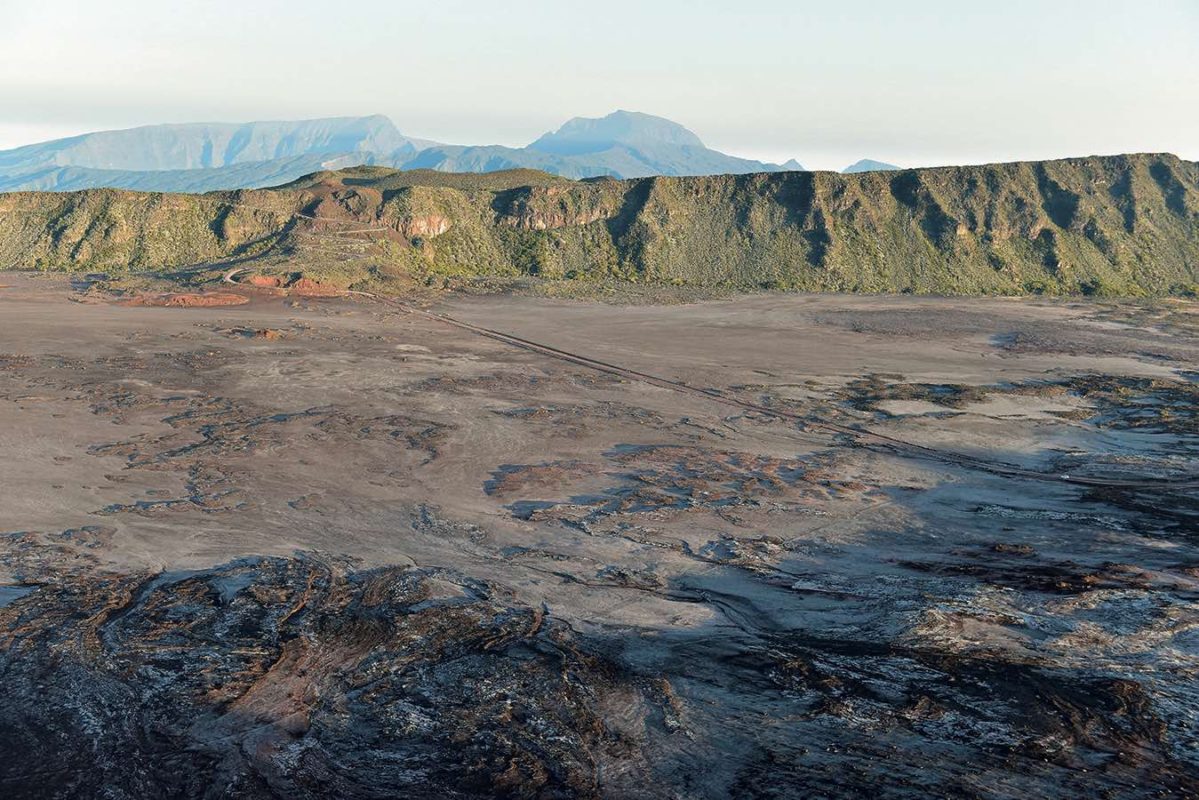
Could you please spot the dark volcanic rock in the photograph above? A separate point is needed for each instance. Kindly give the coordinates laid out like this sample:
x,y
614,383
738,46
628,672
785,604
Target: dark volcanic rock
x,y
294,678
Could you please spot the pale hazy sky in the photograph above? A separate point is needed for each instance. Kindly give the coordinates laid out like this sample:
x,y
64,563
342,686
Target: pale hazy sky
x,y
916,83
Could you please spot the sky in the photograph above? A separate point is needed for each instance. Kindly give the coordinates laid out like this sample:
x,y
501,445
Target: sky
x,y
913,83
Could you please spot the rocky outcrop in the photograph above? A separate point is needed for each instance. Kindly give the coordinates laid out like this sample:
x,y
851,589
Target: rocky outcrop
x,y
553,207
424,227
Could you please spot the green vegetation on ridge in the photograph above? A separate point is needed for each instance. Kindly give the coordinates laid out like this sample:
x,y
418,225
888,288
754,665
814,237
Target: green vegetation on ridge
x,y
1119,225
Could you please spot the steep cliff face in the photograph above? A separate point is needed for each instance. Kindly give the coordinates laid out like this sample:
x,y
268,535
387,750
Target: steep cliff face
x,y
1103,225
1124,225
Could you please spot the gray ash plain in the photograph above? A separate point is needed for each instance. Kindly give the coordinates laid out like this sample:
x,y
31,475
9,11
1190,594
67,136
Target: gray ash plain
x,y
314,547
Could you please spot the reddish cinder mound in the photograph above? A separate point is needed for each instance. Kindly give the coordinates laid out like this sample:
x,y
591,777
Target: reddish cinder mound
x,y
191,300
308,286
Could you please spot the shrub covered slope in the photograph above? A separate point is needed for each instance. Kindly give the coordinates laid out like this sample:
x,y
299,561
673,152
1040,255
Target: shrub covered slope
x,y
1117,225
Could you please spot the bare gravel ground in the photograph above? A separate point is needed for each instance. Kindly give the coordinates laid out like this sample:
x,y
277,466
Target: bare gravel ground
x,y
309,547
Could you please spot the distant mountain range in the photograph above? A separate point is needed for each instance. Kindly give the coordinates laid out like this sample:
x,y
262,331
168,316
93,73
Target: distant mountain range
x,y
209,156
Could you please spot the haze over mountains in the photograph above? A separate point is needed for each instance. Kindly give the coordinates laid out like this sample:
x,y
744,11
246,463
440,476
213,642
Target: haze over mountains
x,y
209,156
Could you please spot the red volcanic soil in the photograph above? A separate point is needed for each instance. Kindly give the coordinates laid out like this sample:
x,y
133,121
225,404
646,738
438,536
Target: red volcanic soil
x,y
302,286
307,286
190,300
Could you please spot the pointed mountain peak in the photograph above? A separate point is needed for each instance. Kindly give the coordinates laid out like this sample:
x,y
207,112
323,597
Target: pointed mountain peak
x,y
869,165
791,165
630,128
